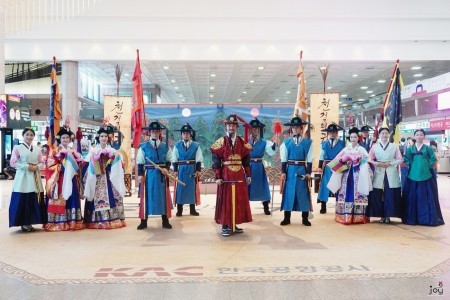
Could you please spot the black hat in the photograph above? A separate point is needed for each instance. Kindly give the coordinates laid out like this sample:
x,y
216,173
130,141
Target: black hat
x,y
353,130
332,127
296,121
155,126
62,131
231,119
366,128
255,123
186,128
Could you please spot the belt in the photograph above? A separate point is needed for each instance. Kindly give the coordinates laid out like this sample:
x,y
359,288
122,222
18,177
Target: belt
x,y
296,162
186,162
256,159
147,167
232,162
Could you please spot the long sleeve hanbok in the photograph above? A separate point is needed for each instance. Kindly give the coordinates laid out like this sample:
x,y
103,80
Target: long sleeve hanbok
x,y
352,181
421,192
385,199
63,196
258,190
104,189
27,205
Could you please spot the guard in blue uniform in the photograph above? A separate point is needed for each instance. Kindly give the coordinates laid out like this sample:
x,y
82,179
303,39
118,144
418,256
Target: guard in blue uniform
x,y
366,141
328,151
258,190
187,161
296,156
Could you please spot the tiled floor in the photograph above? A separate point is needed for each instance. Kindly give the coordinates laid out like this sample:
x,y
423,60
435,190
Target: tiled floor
x,y
193,261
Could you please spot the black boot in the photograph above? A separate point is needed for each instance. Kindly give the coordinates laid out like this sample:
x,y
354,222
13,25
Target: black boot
x,y
305,220
266,207
179,210
287,218
323,209
165,222
193,212
143,224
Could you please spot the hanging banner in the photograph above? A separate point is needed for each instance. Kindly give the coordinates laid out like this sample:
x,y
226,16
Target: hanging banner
x,y
3,111
118,112
324,111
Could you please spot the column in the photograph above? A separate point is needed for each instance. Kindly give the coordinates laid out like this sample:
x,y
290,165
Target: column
x,y
2,47
69,92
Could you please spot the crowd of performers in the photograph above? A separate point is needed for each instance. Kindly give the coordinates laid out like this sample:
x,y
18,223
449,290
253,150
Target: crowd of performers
x,y
362,177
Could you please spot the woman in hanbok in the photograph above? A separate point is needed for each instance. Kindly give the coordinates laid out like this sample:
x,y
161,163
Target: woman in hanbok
x,y
351,181
63,205
385,199
421,192
27,204
105,186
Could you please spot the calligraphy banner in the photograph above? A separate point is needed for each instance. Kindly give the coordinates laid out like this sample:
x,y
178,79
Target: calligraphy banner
x,y
118,112
324,110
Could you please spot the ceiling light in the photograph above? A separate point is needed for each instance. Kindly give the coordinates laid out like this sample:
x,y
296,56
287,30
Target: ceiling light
x,y
239,100
373,95
364,87
181,96
173,81
244,92
418,81
176,88
211,87
340,102
276,100
329,87
182,100
126,74
343,96
213,75
381,81
252,81
418,75
288,92
416,68
166,67
261,68
344,105
369,92
323,68
211,96
355,75
361,99
210,102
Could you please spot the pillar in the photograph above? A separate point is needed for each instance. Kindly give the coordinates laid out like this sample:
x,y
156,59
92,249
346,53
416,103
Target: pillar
x,y
69,92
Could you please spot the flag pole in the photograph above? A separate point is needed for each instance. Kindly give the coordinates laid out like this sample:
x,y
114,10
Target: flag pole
x,y
385,99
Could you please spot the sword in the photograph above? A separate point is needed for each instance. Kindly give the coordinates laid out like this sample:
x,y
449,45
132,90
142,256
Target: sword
x,y
233,201
168,175
308,180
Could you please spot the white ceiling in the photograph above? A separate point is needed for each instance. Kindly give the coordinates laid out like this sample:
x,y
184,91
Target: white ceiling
x,y
192,82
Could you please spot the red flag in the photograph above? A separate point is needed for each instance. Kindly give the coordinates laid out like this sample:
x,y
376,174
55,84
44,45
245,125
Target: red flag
x,y
138,114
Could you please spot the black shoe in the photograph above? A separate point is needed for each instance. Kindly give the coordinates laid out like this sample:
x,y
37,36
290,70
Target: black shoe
x,y
388,220
165,222
193,212
305,220
31,228
179,210
323,209
266,208
226,230
287,218
143,225
25,228
238,230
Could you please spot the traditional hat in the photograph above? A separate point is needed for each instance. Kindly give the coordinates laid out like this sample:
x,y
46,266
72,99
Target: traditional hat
x,y
255,123
155,126
296,121
366,128
332,127
231,119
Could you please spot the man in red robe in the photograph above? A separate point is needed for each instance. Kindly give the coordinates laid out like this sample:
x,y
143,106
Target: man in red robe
x,y
231,162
